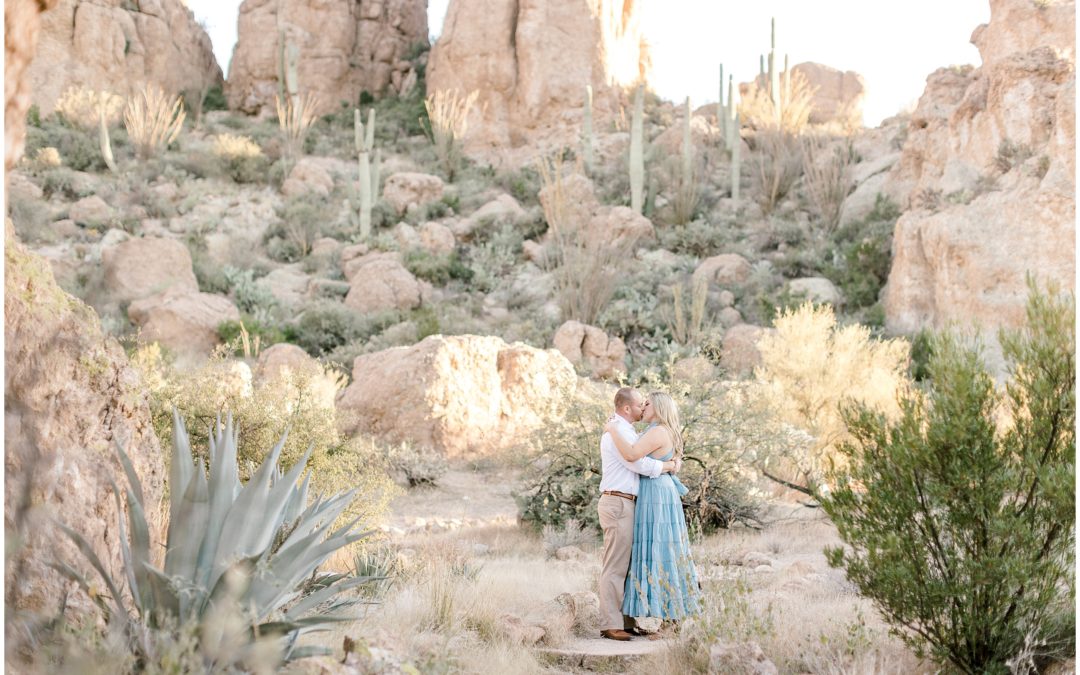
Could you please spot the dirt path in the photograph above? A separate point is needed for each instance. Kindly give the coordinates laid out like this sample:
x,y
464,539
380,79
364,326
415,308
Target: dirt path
x,y
462,498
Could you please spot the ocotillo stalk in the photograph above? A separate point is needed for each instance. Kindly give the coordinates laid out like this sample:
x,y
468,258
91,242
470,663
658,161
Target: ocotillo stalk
x,y
736,151
637,150
364,183
687,149
587,132
106,146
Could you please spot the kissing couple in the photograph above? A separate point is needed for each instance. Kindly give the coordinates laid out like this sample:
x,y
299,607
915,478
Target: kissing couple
x,y
647,570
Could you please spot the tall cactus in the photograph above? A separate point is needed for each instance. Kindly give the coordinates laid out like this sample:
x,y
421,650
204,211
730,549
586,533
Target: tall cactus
x,y
637,151
736,151
687,147
288,70
721,109
732,125
587,132
774,73
368,180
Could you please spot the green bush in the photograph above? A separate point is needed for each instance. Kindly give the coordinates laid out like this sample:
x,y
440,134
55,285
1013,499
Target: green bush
x,y
231,333
324,326
437,269
865,249
417,466
698,238
78,149
963,530
215,99
65,182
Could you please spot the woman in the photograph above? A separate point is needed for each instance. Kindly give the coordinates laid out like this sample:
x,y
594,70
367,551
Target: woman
x,y
662,581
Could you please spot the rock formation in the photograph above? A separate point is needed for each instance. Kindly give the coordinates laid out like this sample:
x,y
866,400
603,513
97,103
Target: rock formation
x,y
989,172
69,396
118,46
344,48
461,396
838,94
531,61
22,23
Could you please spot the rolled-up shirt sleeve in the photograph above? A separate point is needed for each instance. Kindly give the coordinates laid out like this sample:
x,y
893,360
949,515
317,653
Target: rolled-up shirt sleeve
x,y
646,466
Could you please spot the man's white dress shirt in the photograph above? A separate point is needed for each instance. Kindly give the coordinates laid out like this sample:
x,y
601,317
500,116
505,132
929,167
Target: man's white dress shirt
x,y
617,473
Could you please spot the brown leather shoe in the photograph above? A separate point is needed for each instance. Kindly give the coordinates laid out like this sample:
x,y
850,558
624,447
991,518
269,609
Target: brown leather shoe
x,y
616,634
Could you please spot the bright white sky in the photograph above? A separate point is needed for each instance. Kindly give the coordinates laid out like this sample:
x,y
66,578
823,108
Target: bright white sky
x,y
893,50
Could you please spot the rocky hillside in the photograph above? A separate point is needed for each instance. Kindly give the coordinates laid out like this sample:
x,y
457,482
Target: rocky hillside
x,y
988,176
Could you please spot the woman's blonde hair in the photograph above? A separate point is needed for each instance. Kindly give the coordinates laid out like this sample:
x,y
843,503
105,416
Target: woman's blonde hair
x,y
667,416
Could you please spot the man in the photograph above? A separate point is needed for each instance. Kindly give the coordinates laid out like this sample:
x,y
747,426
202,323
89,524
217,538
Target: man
x,y
619,489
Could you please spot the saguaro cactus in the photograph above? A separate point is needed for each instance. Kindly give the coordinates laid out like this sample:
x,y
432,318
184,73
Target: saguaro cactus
x,y
288,70
106,145
736,151
774,72
368,180
732,125
587,132
721,109
637,151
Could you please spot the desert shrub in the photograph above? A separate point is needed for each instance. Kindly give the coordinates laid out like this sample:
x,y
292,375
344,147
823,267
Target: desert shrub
x,y
215,99
240,577
523,184
77,149
961,528
81,108
241,158
1010,155
249,335
698,238
29,216
447,123
324,326
809,365
777,165
493,257
209,274
416,465
437,269
302,402
758,111
250,296
570,533
153,120
826,169
303,219
865,254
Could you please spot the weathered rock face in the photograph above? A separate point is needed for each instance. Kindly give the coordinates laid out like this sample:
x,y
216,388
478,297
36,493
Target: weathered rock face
x,y
22,22
138,268
838,95
185,321
344,48
989,169
531,60
462,396
112,45
69,395
591,347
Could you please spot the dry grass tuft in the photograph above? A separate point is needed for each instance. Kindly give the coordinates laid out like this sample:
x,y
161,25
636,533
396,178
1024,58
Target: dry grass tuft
x,y
826,168
153,120
81,108
448,121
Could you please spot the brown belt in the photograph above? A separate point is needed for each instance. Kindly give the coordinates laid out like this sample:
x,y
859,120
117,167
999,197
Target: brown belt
x,y
616,493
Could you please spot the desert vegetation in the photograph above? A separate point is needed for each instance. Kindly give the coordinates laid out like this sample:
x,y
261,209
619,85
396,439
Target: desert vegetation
x,y
858,501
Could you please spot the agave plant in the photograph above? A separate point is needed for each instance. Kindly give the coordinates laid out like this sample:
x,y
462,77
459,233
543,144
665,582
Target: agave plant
x,y
240,561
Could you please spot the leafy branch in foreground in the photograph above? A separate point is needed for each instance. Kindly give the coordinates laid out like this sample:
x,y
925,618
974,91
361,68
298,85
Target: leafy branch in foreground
x,y
962,528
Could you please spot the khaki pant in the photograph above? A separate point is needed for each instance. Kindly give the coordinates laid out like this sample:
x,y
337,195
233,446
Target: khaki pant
x,y
617,521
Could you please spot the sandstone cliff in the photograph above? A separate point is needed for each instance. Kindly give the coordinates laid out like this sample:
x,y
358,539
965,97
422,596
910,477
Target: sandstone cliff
x,y
344,48
988,176
118,46
531,61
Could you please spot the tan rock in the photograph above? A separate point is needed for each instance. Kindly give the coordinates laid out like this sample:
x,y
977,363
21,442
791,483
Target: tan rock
x,y
70,394
816,289
288,285
343,49
353,260
324,246
407,190
534,252
503,208
284,364
966,262
621,226
21,187
283,357
307,177
139,268
517,632
726,269
838,95
591,347
437,238
382,284
459,395
22,23
537,58
742,657
578,197
116,46
406,236
740,354
91,211
729,316
185,321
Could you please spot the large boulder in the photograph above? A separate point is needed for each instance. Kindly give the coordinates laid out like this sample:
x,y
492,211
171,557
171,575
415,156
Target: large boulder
x,y
838,94
461,396
69,396
138,268
183,320
592,348
405,190
963,256
531,60
739,354
344,48
118,46
381,284
726,269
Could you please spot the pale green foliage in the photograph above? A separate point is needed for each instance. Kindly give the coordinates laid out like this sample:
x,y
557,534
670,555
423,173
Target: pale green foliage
x,y
810,365
240,562
448,122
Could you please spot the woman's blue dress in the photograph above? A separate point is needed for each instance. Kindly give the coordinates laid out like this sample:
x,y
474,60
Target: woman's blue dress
x,y
662,581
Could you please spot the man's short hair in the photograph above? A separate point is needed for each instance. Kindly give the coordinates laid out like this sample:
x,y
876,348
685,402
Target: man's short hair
x,y
624,396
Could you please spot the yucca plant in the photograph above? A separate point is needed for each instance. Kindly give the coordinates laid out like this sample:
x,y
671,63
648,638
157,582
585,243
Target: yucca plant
x,y
153,120
240,561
